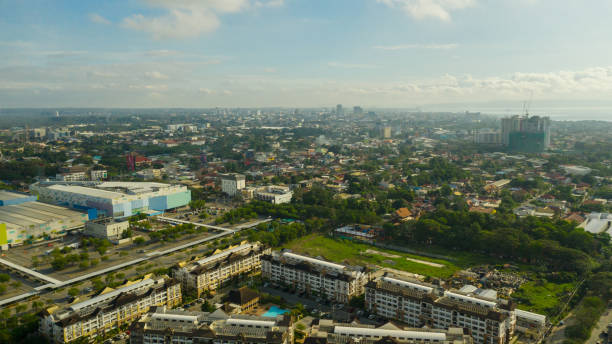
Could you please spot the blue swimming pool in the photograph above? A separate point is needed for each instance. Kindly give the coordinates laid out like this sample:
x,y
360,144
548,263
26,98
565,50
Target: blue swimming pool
x,y
274,311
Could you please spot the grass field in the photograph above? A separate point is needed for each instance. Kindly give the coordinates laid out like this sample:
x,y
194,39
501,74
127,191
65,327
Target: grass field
x,y
355,253
543,297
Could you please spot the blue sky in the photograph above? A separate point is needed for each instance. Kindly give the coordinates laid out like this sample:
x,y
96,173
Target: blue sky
x,y
297,53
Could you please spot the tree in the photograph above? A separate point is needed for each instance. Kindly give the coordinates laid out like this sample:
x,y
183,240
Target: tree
x,y
74,291
139,241
4,278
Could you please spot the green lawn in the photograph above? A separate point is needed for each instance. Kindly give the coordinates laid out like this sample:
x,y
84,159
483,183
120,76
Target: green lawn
x,y
543,297
345,251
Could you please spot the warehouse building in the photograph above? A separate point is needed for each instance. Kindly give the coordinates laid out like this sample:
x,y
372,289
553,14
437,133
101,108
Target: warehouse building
x,y
108,310
115,199
22,218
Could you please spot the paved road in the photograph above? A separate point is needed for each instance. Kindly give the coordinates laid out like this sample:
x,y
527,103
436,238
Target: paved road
x,y
56,284
601,326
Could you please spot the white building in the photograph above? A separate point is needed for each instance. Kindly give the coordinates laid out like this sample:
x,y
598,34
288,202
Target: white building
x,y
71,176
274,194
333,281
175,326
116,199
231,184
106,228
111,308
489,319
327,331
210,272
98,174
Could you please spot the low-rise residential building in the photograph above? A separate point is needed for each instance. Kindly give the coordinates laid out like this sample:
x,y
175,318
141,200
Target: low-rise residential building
x,y
109,309
172,326
210,272
330,332
333,281
490,320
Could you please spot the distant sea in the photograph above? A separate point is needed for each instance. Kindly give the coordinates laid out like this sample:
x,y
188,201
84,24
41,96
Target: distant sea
x,y
558,114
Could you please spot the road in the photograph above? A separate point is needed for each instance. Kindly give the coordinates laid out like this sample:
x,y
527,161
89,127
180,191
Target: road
x,y
601,326
56,284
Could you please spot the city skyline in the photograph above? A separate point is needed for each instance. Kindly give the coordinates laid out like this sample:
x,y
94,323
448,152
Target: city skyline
x,y
292,53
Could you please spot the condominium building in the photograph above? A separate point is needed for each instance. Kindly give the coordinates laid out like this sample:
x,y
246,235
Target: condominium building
x,y
109,310
231,184
488,319
328,331
210,272
333,281
173,326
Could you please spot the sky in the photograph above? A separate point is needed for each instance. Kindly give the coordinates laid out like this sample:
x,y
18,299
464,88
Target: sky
x,y
304,53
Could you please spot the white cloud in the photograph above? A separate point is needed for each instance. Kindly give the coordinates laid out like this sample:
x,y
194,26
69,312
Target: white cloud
x,y
96,18
351,65
422,9
269,3
417,46
176,24
156,75
189,18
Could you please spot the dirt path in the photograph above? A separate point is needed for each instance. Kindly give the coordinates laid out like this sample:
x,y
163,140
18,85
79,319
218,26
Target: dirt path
x,y
435,265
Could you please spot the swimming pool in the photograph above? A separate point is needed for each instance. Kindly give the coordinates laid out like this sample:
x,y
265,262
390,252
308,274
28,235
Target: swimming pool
x,y
274,311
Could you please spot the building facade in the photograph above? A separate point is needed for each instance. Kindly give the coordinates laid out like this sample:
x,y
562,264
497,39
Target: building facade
x,y
173,326
210,272
22,218
115,199
333,281
231,184
328,331
274,194
109,310
106,228
488,319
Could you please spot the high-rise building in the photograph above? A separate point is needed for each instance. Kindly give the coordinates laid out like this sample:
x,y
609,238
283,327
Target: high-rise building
x,y
387,132
526,134
357,110
231,184
339,110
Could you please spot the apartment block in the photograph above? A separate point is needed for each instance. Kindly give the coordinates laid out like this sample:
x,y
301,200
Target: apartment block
x,y
329,332
488,319
109,310
172,326
210,272
333,281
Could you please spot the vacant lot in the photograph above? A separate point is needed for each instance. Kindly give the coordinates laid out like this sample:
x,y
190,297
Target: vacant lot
x,y
543,297
363,254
